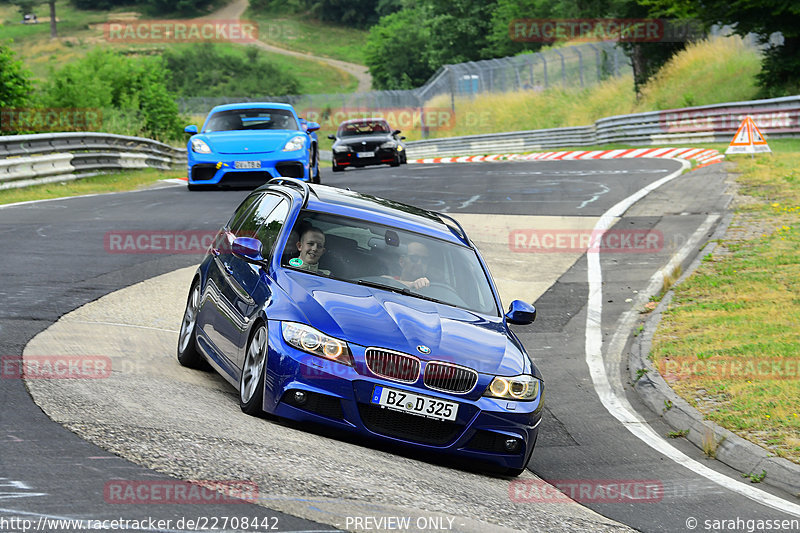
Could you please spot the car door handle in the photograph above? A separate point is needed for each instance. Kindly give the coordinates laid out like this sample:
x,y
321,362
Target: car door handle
x,y
228,269
214,252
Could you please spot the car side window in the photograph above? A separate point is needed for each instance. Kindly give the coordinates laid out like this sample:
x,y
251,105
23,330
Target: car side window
x,y
243,209
251,223
269,230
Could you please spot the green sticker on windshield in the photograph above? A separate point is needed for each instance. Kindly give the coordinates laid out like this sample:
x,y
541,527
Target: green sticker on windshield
x,y
296,262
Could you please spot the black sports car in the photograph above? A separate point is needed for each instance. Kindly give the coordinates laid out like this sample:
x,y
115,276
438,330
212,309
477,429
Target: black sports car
x,y
367,141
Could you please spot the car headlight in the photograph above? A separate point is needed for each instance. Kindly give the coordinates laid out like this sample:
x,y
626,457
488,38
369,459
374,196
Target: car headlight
x,y
341,149
297,142
315,342
389,144
200,146
521,388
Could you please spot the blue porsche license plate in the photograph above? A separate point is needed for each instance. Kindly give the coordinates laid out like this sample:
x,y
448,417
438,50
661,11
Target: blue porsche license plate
x,y
414,403
247,164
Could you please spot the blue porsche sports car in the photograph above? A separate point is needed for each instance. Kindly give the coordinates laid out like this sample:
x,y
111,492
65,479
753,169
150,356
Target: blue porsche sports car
x,y
367,315
248,144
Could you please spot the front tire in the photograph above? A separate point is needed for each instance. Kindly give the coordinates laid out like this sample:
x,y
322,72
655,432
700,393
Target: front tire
x,y
315,177
251,382
188,354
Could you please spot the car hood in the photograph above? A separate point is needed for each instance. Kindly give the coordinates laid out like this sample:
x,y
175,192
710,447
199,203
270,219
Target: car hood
x,y
248,142
384,319
368,138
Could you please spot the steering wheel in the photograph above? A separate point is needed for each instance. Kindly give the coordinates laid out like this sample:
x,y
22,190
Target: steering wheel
x,y
444,292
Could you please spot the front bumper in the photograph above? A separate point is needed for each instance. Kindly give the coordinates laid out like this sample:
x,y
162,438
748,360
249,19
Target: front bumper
x,y
383,156
210,169
339,396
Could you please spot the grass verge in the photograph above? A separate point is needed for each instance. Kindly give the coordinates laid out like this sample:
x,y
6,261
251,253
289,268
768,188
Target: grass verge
x,y
128,180
294,32
730,341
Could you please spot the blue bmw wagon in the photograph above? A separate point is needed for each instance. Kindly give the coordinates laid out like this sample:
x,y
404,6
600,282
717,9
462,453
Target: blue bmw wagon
x,y
367,315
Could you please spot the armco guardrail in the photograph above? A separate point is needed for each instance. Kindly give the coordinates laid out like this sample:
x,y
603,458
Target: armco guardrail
x,y
776,118
29,159
41,158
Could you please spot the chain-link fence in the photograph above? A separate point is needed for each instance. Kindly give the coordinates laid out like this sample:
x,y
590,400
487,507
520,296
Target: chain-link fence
x,y
573,66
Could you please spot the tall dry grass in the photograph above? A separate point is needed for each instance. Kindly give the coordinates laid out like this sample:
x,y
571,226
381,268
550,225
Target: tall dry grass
x,y
712,71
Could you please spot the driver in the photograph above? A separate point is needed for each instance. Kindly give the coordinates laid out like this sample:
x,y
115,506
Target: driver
x,y
311,246
414,266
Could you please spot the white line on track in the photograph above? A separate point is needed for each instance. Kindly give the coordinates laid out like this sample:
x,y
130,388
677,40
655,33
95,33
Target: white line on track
x,y
616,404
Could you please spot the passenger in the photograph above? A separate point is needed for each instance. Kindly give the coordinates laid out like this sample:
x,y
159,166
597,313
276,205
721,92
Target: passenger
x,y
311,247
414,266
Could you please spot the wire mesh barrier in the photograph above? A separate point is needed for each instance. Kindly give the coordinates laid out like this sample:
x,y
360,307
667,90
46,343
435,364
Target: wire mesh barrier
x,y
573,66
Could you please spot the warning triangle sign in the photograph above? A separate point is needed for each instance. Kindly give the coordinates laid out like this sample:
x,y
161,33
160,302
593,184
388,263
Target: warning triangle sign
x,y
748,139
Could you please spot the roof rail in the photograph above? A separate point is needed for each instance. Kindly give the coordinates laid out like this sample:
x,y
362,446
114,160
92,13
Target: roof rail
x,y
294,182
454,225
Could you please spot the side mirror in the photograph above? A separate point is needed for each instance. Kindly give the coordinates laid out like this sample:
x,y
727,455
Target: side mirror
x,y
248,249
312,126
332,137
190,129
396,132
520,312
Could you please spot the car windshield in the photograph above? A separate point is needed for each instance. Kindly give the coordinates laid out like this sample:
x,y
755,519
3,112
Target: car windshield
x,y
389,259
251,119
366,127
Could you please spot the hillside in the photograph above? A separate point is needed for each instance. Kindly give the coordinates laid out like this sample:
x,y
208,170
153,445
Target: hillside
x,y
80,31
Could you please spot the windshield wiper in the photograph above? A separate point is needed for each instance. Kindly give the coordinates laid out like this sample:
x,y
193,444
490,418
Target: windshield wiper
x,y
403,290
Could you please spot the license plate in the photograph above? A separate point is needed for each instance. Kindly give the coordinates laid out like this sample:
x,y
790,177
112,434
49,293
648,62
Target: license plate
x,y
247,164
414,403
365,154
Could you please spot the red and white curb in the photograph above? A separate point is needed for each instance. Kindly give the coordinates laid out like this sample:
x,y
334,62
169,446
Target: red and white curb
x,y
701,155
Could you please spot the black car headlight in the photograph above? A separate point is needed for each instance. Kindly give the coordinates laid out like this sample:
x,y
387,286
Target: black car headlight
x,y
521,388
315,342
341,149
389,144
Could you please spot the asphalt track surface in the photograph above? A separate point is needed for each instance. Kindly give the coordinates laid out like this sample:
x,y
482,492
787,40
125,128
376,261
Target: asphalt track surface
x,y
55,261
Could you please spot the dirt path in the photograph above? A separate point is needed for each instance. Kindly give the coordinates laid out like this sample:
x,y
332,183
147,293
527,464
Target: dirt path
x,y
236,9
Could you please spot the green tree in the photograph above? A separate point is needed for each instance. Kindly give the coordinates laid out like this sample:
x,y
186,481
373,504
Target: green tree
x,y
395,50
780,73
458,30
15,80
121,86
234,73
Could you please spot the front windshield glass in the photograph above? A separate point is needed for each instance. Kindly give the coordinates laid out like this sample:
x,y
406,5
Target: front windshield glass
x,y
389,259
366,127
251,119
